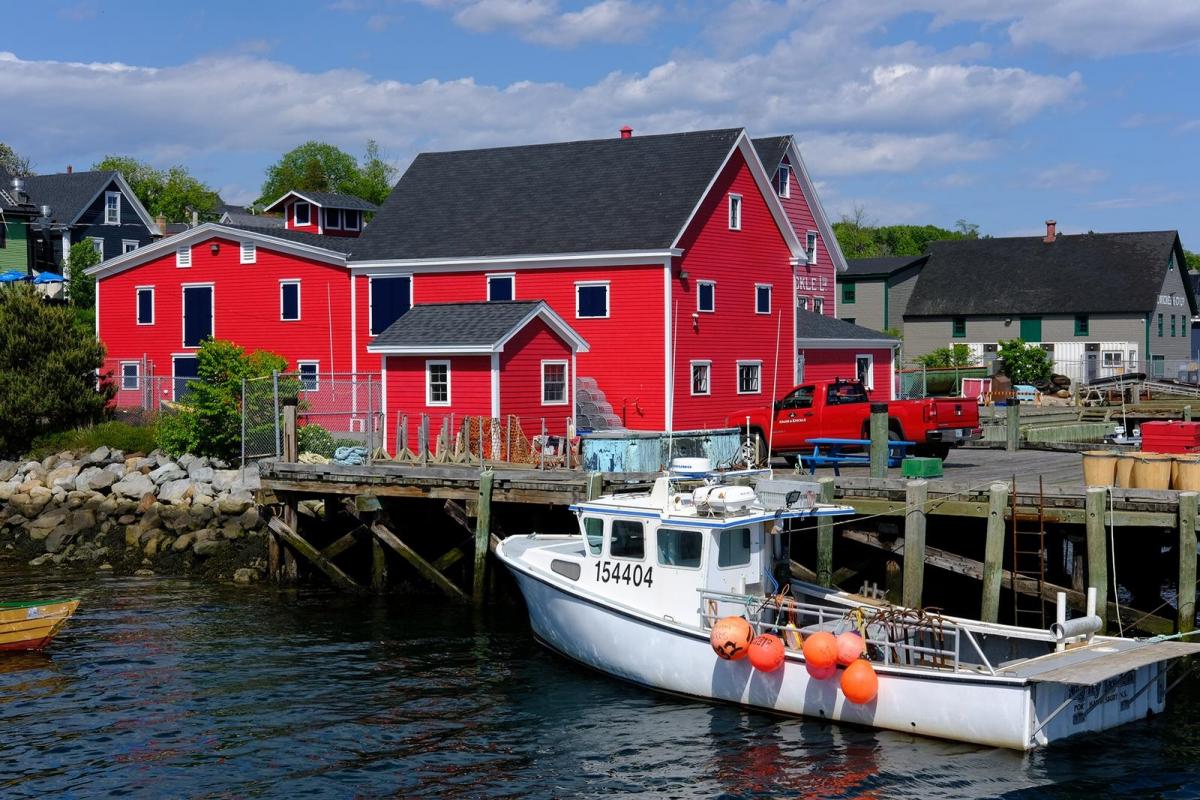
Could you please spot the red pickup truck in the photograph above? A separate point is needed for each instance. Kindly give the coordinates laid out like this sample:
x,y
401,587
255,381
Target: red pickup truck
x,y
841,409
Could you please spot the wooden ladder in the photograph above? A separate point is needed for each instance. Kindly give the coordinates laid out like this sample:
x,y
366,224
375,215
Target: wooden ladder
x,y
1029,560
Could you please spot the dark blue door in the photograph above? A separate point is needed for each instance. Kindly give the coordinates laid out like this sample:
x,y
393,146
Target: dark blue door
x,y
390,298
197,315
186,370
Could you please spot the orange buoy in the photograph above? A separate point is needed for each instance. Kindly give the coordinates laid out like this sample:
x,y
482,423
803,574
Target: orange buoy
x,y
850,646
821,650
766,653
731,637
860,684
820,673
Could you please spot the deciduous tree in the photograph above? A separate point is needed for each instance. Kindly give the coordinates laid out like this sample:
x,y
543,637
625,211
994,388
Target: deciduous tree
x,y
13,163
321,167
174,192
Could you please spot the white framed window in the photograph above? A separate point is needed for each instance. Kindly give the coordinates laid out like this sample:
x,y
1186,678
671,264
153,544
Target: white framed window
x,y
501,287
301,214
762,298
819,305
783,180
749,377
145,305
248,253
735,212
310,375
701,372
183,257
801,303
130,376
706,296
1112,358
97,245
112,208
333,219
554,383
437,383
810,246
864,370
289,300
351,219
591,300
129,245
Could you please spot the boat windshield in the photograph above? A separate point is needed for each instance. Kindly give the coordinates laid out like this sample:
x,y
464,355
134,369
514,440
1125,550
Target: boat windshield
x,y
593,530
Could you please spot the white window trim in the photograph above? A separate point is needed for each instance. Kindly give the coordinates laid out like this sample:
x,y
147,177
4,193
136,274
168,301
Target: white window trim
x,y
285,282
818,300
869,383
117,195
607,298
333,219
512,276
810,244
692,377
316,380
97,245
735,212
183,257
371,296
770,297
357,226
429,383
713,284
296,213
787,184
566,381
803,302
738,375
212,314
242,259
129,245
137,376
137,304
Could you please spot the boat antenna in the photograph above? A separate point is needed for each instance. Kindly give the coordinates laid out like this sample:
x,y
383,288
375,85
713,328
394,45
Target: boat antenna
x,y
774,383
671,388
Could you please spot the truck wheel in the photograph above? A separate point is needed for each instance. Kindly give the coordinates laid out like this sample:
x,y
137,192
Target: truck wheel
x,y
941,451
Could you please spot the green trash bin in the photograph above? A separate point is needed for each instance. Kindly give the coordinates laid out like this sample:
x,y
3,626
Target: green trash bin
x,y
915,467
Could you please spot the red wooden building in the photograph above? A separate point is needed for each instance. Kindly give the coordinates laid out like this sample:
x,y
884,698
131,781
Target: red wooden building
x,y
324,213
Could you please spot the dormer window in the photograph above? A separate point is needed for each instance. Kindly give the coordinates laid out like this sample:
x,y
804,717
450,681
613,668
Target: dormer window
x,y
735,212
301,214
351,219
783,181
333,219
810,246
112,208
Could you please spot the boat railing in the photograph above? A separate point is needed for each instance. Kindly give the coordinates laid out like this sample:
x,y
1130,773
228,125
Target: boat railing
x,y
902,637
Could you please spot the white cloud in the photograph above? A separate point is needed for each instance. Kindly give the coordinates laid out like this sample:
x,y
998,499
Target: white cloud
x,y
1068,176
850,154
1109,27
542,21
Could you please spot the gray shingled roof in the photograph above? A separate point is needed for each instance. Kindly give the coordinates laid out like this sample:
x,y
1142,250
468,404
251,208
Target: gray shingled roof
x,y
67,194
879,267
340,244
436,325
331,200
811,325
567,197
1090,273
238,215
771,150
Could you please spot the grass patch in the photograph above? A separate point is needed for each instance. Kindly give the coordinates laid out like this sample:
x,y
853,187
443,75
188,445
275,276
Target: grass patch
x,y
115,435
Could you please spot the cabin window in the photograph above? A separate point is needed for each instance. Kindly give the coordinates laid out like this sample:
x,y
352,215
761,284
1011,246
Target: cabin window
x,y
309,371
351,219
302,214
783,181
958,328
700,375
864,368
848,291
289,300
248,253
706,296
679,548
129,375
735,212
333,219
1112,358
501,288
818,305
390,299
593,531
748,377
628,539
810,246
733,549
591,300
1082,325
145,305
112,208
437,383
129,245
183,257
554,383
762,298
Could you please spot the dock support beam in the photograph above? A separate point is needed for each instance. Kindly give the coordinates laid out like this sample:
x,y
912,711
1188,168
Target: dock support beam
x,y
993,553
378,566
483,530
1097,548
595,485
1186,592
286,567
825,536
1187,413
916,494
1013,429
879,440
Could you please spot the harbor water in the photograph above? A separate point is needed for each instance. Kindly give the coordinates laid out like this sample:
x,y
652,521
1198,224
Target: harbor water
x,y
174,688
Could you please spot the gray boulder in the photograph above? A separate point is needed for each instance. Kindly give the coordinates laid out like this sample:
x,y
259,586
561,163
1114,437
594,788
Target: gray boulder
x,y
183,542
201,473
249,520
207,548
62,477
117,469
101,480
58,539
40,528
98,456
167,472
235,504
82,478
7,469
133,485
176,492
222,479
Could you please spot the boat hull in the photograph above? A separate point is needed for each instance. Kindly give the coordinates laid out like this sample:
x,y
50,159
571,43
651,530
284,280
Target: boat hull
x,y
980,709
33,626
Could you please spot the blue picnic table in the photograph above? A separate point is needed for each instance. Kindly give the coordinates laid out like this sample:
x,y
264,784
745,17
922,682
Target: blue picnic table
x,y
829,451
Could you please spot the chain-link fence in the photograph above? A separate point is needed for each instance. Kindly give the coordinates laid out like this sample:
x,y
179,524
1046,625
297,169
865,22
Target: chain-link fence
x,y
334,410
135,384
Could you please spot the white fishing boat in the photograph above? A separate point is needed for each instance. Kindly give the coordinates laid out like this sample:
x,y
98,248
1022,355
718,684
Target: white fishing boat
x,y
637,591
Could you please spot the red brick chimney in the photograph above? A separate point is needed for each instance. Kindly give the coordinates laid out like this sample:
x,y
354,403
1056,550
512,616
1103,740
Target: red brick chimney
x,y
626,132
70,169
1049,231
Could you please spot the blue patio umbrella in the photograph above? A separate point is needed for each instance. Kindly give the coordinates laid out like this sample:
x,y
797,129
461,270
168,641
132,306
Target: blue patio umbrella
x,y
12,276
49,277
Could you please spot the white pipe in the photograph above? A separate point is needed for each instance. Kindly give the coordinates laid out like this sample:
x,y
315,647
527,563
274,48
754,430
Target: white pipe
x,y
1091,607
1080,626
1061,618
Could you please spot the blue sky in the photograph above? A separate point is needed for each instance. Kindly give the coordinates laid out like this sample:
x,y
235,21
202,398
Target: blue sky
x,y
1002,112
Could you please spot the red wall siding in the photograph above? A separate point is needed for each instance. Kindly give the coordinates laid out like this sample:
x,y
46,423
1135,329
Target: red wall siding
x,y
470,393
821,364
246,307
736,260
521,379
810,276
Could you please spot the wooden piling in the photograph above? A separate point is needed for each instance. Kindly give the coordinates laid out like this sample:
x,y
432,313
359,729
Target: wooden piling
x,y
1014,425
1097,547
916,494
893,581
825,536
879,440
483,530
1187,413
595,485
993,553
378,566
1186,592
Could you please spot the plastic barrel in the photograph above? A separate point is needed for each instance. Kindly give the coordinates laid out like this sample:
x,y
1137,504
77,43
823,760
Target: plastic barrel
x,y
1186,473
1125,469
1099,467
1152,470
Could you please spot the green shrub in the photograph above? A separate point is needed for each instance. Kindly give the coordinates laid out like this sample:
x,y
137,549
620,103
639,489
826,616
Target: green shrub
x,y
1024,363
313,438
115,435
958,355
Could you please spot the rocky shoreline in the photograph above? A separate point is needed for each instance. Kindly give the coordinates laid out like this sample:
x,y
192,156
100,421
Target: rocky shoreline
x,y
140,515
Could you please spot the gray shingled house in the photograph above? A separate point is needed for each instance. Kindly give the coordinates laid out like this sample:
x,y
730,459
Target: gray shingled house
x,y
874,292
